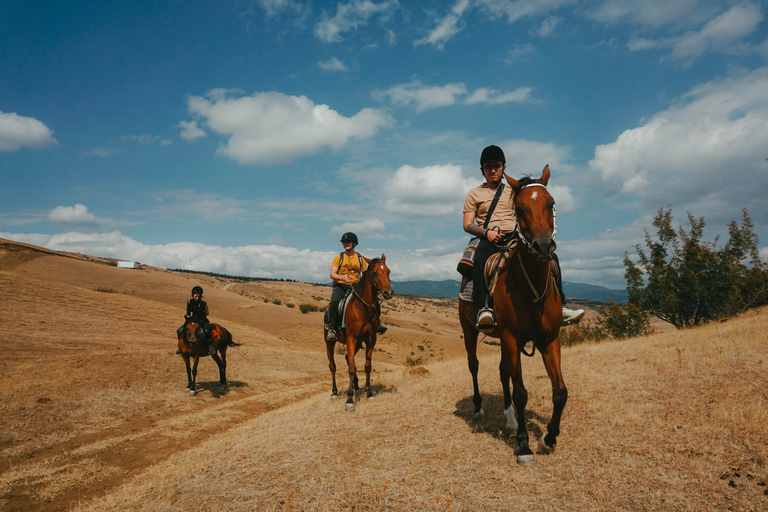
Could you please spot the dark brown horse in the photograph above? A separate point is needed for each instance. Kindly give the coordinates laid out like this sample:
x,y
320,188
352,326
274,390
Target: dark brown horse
x,y
527,307
193,346
362,322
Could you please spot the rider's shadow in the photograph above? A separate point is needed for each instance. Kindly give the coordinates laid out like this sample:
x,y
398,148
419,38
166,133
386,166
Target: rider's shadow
x,y
218,390
494,423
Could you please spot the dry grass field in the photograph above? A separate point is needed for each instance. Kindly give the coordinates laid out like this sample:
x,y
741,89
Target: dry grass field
x,y
95,416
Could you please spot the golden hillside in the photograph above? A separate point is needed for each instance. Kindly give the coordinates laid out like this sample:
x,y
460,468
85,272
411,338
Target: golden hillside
x,y
95,415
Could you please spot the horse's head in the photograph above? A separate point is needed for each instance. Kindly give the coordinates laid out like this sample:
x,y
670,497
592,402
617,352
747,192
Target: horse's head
x,y
193,332
379,272
535,212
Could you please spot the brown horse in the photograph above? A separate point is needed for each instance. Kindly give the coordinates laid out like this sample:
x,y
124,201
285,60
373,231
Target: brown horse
x,y
193,345
528,307
362,322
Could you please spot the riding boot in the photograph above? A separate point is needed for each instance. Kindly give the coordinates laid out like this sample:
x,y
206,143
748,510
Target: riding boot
x,y
382,329
570,316
331,333
178,351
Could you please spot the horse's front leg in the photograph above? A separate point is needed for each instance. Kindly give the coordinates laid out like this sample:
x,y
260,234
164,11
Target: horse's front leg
x,y
511,355
551,357
351,348
509,409
194,375
470,344
329,346
368,357
189,373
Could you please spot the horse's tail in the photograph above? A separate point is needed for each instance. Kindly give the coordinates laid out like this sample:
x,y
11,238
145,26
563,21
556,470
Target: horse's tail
x,y
229,341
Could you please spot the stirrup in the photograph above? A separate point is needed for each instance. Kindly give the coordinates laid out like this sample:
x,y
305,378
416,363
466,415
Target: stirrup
x,y
486,321
331,334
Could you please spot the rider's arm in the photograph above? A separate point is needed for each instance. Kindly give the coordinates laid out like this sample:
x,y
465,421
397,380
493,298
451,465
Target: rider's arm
x,y
470,226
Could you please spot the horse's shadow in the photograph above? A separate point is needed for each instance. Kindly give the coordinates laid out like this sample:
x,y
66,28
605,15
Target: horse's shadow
x,y
376,389
218,390
494,423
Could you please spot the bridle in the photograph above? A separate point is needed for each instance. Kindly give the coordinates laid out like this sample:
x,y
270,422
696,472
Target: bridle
x,y
554,217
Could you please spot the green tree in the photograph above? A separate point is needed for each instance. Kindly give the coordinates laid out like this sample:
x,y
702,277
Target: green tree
x,y
686,281
623,321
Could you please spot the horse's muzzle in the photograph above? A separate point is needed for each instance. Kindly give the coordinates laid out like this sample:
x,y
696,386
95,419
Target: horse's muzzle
x,y
388,293
543,249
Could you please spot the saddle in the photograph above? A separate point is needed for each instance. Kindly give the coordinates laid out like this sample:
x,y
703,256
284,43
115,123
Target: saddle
x,y
341,312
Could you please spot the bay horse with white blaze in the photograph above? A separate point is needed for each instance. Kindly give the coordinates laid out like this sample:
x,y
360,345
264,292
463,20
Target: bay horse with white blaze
x,y
527,307
193,345
362,322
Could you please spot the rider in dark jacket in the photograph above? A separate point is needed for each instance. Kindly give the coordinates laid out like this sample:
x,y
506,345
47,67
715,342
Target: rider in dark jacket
x,y
197,311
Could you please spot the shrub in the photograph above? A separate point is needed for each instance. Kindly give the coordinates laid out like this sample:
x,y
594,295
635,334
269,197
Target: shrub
x,y
306,308
277,302
290,305
414,361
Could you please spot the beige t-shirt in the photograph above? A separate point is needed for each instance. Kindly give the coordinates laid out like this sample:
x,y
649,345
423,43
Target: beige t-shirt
x,y
479,200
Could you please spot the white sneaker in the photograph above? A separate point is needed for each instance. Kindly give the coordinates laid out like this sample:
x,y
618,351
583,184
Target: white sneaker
x,y
331,335
572,316
485,320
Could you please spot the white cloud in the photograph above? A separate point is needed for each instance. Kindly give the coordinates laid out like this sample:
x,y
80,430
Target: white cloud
x,y
446,28
548,26
517,51
77,214
270,127
349,17
493,97
272,7
426,97
530,157
190,204
434,191
332,64
514,10
720,34
146,139
711,143
370,228
716,31
18,131
423,96
100,152
190,131
653,13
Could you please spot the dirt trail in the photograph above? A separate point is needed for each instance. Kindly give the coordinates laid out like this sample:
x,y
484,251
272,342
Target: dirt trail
x,y
121,453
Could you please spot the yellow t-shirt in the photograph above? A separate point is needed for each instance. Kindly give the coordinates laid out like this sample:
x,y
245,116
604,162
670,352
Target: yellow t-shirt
x,y
349,267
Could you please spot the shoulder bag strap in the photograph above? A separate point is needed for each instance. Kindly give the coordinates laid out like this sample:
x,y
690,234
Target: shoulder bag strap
x,y
493,205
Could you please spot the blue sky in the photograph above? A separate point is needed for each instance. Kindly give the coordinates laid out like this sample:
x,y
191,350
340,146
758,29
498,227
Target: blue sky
x,y
244,137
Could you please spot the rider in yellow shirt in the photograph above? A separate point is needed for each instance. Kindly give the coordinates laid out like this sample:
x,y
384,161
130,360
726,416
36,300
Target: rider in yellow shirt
x,y
346,270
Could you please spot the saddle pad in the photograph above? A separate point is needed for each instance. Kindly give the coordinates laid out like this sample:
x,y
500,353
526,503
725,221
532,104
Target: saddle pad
x,y
465,291
492,266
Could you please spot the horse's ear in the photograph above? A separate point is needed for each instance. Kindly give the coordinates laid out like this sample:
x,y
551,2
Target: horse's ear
x,y
512,181
544,176
383,258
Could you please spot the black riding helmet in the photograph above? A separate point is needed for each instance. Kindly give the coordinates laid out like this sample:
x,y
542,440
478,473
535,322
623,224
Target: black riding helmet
x,y
349,237
492,154
197,289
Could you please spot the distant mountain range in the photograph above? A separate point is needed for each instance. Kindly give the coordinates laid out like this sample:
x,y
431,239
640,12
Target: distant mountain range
x,y
450,288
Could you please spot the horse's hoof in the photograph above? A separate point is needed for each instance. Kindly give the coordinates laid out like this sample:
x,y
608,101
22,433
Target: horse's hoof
x,y
479,415
349,407
192,392
525,460
543,447
371,398
334,396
